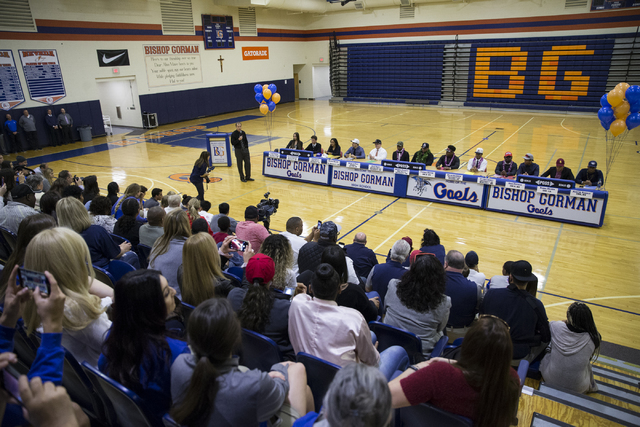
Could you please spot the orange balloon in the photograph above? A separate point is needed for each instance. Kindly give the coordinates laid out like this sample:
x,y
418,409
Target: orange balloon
x,y
275,97
622,86
265,87
266,93
264,109
617,127
615,97
622,110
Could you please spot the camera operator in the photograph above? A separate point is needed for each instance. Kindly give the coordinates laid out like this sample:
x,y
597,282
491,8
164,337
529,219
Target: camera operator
x,y
250,230
199,173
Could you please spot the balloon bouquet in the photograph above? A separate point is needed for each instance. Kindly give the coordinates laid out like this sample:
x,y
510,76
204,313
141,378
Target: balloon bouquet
x,y
619,114
267,97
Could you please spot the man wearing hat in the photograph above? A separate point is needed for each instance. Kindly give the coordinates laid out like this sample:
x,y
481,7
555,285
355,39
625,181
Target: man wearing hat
x,y
507,167
559,172
250,230
22,206
525,314
528,167
590,175
449,161
400,154
378,153
424,155
478,163
355,151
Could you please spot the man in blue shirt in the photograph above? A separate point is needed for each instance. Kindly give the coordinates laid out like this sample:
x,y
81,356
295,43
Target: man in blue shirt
x,y
382,274
590,175
13,144
363,258
465,296
355,152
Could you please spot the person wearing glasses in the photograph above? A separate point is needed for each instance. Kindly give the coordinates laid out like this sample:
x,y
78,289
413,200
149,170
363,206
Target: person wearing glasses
x,y
524,313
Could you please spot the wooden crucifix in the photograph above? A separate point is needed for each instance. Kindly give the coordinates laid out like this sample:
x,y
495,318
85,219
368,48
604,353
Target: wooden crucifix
x,y
221,59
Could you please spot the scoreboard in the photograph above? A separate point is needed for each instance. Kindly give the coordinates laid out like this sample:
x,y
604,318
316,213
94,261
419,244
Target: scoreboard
x,y
217,32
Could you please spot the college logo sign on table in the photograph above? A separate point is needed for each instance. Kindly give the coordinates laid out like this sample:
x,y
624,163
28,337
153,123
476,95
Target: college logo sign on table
x,y
249,53
440,190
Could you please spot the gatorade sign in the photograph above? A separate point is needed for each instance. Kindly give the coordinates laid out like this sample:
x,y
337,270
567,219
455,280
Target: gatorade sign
x,y
249,53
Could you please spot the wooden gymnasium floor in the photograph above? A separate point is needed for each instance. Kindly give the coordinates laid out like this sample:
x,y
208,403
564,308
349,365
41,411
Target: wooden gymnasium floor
x,y
595,265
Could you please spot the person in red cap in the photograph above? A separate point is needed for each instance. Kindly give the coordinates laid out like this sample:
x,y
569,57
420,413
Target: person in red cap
x,y
559,172
507,167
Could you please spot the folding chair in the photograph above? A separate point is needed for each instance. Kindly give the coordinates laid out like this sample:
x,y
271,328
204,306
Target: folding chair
x,y
320,373
389,336
119,268
143,252
426,414
258,351
104,276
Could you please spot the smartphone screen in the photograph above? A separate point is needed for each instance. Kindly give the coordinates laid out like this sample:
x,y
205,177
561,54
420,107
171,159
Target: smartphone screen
x,y
33,280
10,382
319,224
240,245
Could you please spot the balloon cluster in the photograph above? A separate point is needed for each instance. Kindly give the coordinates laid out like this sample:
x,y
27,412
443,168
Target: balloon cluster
x,y
267,97
620,108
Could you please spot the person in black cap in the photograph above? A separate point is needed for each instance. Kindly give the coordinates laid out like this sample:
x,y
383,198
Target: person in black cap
x,y
22,206
250,230
400,154
590,175
525,314
424,155
378,153
449,161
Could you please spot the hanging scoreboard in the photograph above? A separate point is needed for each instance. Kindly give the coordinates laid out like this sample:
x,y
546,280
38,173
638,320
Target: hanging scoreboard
x,y
217,32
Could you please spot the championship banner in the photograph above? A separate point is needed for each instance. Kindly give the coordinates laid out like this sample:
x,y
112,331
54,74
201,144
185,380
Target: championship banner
x,y
10,88
465,193
360,179
43,75
317,173
170,65
113,58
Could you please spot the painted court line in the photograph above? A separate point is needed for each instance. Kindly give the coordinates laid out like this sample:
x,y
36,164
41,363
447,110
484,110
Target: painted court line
x,y
368,219
481,127
346,207
569,130
403,226
553,254
588,301
510,136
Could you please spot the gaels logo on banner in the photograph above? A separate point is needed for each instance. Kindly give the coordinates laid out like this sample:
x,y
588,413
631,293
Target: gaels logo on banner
x,y
440,190
249,53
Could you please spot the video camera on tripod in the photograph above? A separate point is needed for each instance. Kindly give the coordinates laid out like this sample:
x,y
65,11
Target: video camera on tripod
x,y
266,208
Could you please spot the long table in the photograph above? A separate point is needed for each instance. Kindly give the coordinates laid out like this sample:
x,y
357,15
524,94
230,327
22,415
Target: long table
x,y
575,206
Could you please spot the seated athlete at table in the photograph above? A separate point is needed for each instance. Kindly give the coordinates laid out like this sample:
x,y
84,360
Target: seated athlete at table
x,y
478,163
334,148
295,143
378,153
559,172
424,155
314,146
400,154
590,175
507,167
355,152
449,160
528,167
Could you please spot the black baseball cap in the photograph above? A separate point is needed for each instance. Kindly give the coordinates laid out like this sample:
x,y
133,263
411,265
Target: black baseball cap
x,y
521,270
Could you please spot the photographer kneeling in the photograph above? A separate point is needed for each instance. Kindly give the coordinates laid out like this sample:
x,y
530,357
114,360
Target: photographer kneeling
x,y
200,172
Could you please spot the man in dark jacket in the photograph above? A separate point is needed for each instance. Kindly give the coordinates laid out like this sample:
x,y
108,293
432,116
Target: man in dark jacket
x,y
559,172
241,148
363,258
424,155
400,154
314,146
52,128
591,175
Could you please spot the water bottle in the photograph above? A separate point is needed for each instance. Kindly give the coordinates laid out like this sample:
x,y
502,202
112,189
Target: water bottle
x,y
599,185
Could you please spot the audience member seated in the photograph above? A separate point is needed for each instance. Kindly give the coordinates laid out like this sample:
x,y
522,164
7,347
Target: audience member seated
x,y
364,259
223,224
279,249
49,178
91,188
310,255
465,295
507,167
431,245
210,389
424,155
204,211
407,261
150,232
58,185
72,214
528,167
449,161
112,192
591,176
11,215
200,277
64,254
294,230
138,353
358,396
314,146
350,295
575,343
381,274
498,282
199,226
100,210
132,191
166,254
340,334
128,226
417,302
193,211
250,230
263,307
559,172
156,197
174,203
35,182
481,385
471,260
525,314
223,209
73,191
48,203
334,148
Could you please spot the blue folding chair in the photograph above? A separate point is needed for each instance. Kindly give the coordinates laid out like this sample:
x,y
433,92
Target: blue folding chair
x,y
320,373
439,347
104,276
389,336
119,268
129,408
258,351
237,272
523,368
10,237
118,239
7,243
143,253
169,422
426,414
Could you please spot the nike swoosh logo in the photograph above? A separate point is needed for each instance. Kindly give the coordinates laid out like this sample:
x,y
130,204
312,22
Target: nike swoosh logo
x,y
108,60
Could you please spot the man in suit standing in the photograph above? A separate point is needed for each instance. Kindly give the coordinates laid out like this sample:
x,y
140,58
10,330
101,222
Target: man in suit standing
x,y
65,121
241,148
52,128
559,172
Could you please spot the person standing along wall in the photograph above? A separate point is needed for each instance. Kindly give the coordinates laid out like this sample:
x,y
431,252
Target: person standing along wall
x,y
66,122
52,128
241,148
28,124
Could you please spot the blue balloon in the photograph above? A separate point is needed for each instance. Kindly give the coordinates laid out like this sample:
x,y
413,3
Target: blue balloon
x,y
259,97
273,88
605,114
633,121
257,88
605,125
604,102
633,94
271,105
634,108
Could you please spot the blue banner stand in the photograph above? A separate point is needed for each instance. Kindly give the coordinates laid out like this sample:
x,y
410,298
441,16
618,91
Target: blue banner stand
x,y
219,148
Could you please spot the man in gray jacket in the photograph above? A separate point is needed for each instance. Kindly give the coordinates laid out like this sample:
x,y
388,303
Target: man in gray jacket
x,y
65,121
28,124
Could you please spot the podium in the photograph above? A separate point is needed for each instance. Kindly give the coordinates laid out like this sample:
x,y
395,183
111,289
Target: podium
x,y
219,148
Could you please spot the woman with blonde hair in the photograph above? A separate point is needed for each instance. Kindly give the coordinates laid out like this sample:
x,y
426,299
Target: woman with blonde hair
x,y
133,190
202,276
193,211
64,254
166,254
279,249
72,214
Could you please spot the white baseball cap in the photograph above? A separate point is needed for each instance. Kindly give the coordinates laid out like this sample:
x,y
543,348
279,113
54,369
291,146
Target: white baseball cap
x,y
480,150
357,141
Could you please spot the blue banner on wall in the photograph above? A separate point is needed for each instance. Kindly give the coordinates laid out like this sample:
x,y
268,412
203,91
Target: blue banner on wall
x,y
10,88
43,75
